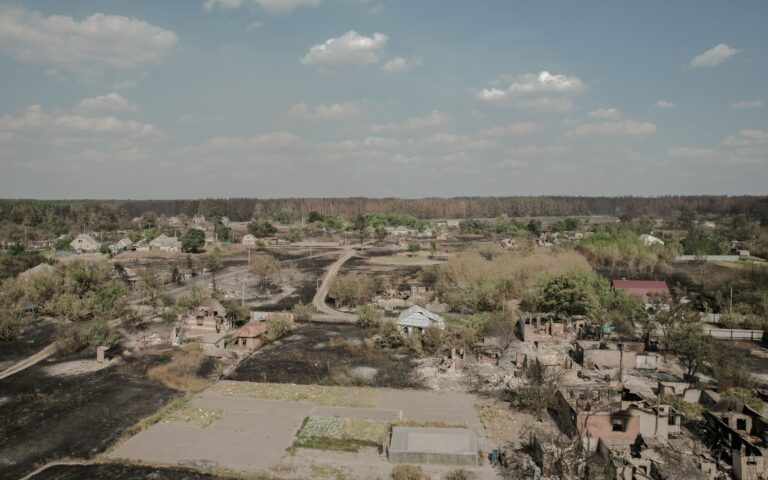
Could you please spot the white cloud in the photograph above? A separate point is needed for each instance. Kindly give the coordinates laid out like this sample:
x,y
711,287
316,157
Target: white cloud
x,y
112,102
96,41
336,111
747,105
270,6
35,118
540,150
253,26
435,118
347,50
238,145
747,137
665,105
630,128
459,140
516,128
690,152
378,8
124,85
604,113
400,64
544,91
714,56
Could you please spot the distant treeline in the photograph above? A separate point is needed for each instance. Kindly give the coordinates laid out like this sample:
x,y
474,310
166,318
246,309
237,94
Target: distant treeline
x,y
61,215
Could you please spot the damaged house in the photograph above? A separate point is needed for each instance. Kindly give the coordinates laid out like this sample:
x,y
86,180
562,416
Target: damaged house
x,y
740,436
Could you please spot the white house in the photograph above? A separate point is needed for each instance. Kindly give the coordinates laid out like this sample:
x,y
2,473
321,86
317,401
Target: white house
x,y
417,319
84,243
649,240
249,239
165,243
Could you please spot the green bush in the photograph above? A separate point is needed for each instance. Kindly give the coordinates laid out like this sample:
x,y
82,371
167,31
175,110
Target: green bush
x,y
85,337
370,316
10,325
390,336
276,328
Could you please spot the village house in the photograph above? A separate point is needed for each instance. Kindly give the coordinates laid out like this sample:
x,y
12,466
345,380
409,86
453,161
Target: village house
x,y
175,222
612,414
641,288
417,319
165,243
249,335
209,317
249,239
121,246
84,243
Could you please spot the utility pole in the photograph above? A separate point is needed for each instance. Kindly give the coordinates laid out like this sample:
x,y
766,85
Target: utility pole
x,y
731,304
242,298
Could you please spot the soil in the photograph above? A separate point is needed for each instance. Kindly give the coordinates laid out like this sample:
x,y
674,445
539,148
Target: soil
x,y
44,418
310,355
35,336
118,470
312,270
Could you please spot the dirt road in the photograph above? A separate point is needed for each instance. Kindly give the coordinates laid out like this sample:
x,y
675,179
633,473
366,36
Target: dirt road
x,y
29,361
324,312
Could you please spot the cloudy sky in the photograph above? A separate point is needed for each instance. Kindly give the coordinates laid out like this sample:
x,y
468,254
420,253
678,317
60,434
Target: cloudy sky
x,y
412,98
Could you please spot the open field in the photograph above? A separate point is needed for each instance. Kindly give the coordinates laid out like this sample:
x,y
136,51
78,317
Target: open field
x,y
328,355
257,435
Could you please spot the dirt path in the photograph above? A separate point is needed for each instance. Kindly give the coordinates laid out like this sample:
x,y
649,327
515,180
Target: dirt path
x,y
324,312
29,361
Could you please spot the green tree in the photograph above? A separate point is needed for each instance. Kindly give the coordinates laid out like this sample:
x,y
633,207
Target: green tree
x,y
295,235
573,293
193,241
360,226
213,263
369,316
261,228
380,233
534,226
150,286
266,269
414,247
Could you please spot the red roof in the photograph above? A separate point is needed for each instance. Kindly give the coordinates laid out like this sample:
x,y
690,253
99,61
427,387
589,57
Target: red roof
x,y
641,288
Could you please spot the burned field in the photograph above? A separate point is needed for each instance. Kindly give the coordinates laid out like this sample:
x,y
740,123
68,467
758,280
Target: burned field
x,y
44,417
35,336
329,355
118,470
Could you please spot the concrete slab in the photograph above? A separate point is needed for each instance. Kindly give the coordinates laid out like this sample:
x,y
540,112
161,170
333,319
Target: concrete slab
x,y
453,446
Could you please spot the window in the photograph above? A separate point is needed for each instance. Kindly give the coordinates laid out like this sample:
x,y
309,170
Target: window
x,y
617,425
199,320
741,424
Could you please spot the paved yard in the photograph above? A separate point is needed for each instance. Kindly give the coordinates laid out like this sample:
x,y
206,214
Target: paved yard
x,y
254,434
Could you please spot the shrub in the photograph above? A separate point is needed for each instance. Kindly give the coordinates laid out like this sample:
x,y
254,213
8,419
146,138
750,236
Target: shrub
x,y
303,313
10,325
747,397
687,408
433,339
390,336
408,472
276,328
370,316
460,474
85,337
354,290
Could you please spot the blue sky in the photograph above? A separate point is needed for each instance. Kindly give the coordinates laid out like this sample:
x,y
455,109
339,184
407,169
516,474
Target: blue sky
x,y
278,98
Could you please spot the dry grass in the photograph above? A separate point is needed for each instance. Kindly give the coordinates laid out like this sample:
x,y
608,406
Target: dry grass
x,y
180,373
199,416
359,397
341,434
402,259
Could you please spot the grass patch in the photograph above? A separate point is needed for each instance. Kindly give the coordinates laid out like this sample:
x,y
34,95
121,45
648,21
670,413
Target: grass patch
x,y
326,471
359,397
341,434
180,373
